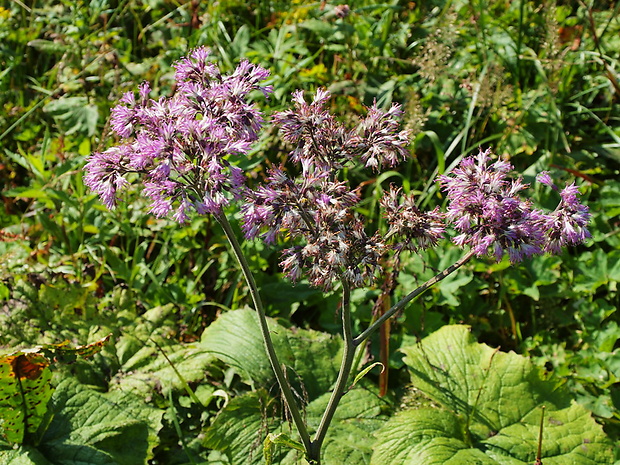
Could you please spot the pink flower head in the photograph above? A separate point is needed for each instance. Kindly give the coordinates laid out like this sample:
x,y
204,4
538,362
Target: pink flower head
x,y
488,211
179,146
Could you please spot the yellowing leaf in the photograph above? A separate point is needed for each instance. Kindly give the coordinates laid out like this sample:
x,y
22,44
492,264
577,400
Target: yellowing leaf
x,y
25,390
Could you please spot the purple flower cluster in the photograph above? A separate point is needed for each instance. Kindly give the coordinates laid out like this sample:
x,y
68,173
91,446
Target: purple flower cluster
x,y
316,208
321,141
412,228
179,145
317,211
291,206
336,251
380,143
179,148
485,207
566,225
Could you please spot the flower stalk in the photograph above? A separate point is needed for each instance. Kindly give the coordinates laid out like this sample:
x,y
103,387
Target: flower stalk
x,y
262,320
351,343
409,297
264,327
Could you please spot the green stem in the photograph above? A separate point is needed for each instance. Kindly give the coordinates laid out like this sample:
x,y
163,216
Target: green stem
x,y
350,345
262,319
409,297
314,454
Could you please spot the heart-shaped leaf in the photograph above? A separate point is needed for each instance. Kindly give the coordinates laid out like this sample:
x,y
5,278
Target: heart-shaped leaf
x,y
312,358
483,406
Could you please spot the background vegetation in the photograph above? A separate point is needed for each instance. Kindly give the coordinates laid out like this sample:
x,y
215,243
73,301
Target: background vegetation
x,y
536,81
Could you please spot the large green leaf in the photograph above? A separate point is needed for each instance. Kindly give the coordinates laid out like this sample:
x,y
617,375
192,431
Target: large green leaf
x,y
486,409
351,435
241,427
428,436
163,368
90,428
146,360
235,339
312,358
24,455
26,388
93,428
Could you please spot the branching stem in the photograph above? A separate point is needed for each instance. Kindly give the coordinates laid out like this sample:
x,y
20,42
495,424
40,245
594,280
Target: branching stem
x,y
409,297
351,343
313,447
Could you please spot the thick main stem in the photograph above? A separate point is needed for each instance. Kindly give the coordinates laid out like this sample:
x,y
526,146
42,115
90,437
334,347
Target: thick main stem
x,y
262,319
343,376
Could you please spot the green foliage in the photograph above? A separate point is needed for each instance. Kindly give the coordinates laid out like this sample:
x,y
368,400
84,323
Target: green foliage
x,y
472,404
351,438
280,439
592,371
248,420
88,427
311,360
478,405
237,428
142,360
26,388
74,114
311,357
537,81
70,422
